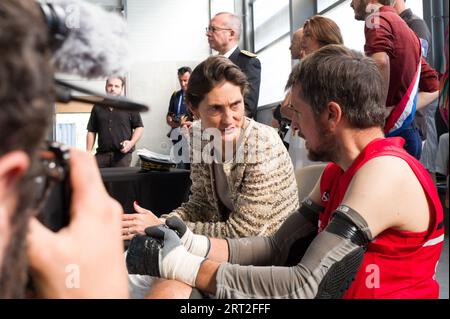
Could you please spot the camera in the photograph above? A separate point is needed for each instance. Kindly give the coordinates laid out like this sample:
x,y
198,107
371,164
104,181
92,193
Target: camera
x,y
283,122
53,186
176,118
53,192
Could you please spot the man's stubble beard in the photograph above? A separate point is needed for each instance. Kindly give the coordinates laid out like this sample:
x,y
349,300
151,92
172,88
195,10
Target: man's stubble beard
x,y
327,150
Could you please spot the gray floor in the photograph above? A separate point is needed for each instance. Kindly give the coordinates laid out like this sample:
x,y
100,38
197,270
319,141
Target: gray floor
x,y
442,271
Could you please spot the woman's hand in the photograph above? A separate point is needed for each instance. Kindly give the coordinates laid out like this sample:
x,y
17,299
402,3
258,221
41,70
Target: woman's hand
x,y
133,224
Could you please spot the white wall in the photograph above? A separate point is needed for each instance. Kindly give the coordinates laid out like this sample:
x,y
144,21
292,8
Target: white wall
x,y
275,70
164,36
222,6
351,29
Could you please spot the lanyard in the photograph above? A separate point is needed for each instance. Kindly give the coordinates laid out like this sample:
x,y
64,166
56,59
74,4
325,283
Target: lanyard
x,y
179,103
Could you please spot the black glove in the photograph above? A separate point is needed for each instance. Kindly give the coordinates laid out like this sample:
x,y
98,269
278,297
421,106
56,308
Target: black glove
x,y
162,254
195,244
143,255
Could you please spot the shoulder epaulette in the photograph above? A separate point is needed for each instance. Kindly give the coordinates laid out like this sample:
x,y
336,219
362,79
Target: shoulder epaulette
x,y
248,53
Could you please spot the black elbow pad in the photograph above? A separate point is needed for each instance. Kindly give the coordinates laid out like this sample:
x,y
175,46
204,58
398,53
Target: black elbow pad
x,y
349,225
339,250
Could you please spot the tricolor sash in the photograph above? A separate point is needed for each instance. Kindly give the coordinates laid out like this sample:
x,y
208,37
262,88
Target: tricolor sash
x,y
403,114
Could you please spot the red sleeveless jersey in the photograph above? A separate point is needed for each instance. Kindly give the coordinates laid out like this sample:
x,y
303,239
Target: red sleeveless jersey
x,y
397,264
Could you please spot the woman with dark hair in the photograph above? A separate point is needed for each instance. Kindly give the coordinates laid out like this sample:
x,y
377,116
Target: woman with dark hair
x,y
243,182
242,179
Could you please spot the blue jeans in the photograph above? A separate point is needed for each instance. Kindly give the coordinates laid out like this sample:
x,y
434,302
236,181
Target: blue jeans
x,y
413,142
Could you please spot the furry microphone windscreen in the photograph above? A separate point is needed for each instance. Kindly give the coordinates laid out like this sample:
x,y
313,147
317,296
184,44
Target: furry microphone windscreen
x,y
97,45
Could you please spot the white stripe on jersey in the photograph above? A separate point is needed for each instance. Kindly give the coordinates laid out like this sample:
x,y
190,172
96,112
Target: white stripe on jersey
x,y
434,241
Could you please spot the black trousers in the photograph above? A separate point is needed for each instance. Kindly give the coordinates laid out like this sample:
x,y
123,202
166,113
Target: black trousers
x,y
113,159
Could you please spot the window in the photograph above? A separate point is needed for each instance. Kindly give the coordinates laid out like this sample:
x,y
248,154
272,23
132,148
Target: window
x,y
221,6
270,21
271,25
275,69
351,29
71,129
416,7
324,4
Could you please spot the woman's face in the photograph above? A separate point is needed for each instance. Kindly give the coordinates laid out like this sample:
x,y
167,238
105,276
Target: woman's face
x,y
223,109
309,44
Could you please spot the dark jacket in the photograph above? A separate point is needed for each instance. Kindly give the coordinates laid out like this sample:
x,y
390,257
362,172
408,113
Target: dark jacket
x,y
251,66
419,26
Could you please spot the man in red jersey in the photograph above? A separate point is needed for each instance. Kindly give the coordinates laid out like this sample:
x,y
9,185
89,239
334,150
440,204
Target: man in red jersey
x,y
374,214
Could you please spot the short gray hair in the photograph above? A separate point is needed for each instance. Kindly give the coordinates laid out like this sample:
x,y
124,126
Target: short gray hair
x,y
234,22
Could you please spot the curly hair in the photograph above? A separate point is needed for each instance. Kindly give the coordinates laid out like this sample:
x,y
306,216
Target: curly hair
x,y
26,101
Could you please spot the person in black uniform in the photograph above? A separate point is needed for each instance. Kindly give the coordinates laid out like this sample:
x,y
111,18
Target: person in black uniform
x,y
223,35
118,131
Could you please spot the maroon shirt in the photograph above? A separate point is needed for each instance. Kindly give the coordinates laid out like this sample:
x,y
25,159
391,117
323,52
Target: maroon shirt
x,y
401,44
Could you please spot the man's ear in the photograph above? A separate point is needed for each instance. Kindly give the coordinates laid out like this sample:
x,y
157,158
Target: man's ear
x,y
233,34
334,114
13,166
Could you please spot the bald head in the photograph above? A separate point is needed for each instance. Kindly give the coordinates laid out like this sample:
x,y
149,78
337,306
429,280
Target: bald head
x,y
295,47
224,32
232,21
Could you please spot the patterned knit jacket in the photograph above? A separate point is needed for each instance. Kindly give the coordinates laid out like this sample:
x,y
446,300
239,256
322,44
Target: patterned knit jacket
x,y
262,188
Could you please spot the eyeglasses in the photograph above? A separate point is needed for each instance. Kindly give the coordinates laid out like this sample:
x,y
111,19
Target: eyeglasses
x,y
215,29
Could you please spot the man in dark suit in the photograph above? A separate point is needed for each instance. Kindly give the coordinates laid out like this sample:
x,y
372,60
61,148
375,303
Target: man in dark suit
x,y
178,112
223,35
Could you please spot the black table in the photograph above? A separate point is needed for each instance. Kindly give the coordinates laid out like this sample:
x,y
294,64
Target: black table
x,y
161,192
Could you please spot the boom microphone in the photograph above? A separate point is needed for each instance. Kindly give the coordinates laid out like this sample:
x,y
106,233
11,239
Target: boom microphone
x,y
89,41
64,95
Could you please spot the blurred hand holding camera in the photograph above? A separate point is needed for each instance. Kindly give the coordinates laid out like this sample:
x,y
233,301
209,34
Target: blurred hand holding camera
x,y
133,224
69,259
